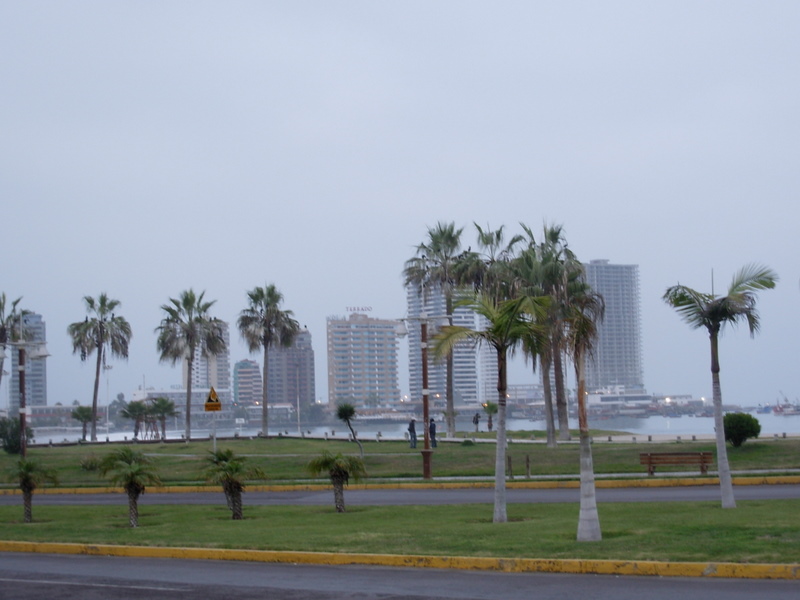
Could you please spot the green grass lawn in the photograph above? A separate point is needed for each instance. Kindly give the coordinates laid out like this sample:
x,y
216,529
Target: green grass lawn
x,y
755,532
284,459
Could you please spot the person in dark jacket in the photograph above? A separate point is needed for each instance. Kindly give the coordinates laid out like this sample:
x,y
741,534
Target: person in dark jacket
x,y
432,431
412,434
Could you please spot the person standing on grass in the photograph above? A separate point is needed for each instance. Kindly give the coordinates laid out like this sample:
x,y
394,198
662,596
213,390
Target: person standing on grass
x,y
476,421
432,431
412,434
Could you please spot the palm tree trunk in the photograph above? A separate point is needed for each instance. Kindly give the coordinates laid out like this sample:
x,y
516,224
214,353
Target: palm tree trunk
x,y
548,401
133,509
163,420
96,392
338,494
189,369
264,397
561,398
588,519
723,467
500,515
27,506
355,439
236,505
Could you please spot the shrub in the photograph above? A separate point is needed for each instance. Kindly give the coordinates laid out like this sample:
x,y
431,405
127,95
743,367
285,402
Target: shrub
x,y
9,435
467,443
90,463
740,427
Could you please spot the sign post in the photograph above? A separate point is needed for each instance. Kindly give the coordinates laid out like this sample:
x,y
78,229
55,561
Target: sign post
x,y
213,404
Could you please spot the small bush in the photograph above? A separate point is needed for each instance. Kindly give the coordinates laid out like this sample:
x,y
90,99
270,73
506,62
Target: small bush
x,y
467,443
90,463
740,427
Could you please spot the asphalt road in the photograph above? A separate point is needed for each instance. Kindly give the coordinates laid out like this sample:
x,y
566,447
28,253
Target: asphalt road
x,y
67,577
399,497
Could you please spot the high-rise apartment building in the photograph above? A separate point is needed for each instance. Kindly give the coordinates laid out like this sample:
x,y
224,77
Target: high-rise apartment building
x,y
35,369
247,388
617,359
291,373
362,360
469,358
212,371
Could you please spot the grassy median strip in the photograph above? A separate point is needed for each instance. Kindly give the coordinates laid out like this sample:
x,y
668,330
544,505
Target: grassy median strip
x,y
755,532
284,459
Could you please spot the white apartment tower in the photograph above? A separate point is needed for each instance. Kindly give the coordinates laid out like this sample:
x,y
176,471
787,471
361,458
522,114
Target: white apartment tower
x,y
362,360
617,359
472,362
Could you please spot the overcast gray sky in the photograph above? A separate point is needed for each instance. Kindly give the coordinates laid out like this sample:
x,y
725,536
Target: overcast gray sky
x,y
149,147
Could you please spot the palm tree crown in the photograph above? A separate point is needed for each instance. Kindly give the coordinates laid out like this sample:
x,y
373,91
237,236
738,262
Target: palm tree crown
x,y
186,328
264,325
102,330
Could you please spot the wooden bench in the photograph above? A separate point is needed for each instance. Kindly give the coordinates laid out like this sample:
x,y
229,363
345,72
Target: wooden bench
x,y
655,459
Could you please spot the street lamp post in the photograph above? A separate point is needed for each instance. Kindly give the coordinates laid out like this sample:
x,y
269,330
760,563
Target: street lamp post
x,y
23,413
37,350
427,452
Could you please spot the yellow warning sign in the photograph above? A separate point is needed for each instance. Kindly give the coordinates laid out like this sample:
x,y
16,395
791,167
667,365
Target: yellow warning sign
x,y
212,402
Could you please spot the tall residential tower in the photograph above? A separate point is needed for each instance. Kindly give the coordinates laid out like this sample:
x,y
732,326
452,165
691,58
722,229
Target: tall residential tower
x,y
617,360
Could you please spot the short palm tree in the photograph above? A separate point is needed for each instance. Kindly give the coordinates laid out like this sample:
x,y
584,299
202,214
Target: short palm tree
x,y
435,267
187,328
136,411
133,472
83,414
490,408
30,474
713,312
346,412
161,409
102,331
263,325
340,469
507,322
8,321
229,471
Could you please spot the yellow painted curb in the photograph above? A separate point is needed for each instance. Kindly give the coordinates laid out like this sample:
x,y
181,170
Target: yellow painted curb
x,y
509,565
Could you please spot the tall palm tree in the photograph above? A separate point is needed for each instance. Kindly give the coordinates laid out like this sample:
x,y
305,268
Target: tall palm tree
x,y
83,414
586,310
507,322
435,267
30,474
561,271
346,412
713,312
8,321
529,279
132,471
186,329
340,469
161,409
102,330
263,325
229,471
